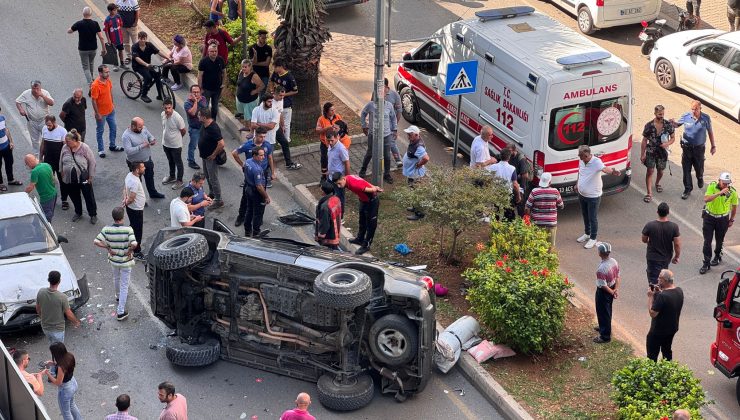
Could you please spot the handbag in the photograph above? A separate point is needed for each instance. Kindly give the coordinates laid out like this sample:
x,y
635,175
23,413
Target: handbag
x,y
221,158
111,55
84,175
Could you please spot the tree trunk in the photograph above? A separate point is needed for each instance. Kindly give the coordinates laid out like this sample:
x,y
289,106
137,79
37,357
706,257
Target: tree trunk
x,y
306,106
455,235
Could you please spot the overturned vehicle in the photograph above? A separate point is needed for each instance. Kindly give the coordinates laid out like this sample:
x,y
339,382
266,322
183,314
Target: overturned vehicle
x,y
294,309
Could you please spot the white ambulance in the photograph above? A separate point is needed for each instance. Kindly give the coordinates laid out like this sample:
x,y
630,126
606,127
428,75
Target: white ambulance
x,y
541,86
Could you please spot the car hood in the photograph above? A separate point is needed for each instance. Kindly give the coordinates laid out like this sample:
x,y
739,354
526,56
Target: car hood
x,y
677,39
22,277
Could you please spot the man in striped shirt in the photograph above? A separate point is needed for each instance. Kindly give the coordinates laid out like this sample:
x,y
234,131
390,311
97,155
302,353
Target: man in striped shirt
x,y
120,242
542,206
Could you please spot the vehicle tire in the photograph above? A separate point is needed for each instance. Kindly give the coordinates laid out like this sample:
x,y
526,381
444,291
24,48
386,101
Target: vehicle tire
x,y
737,391
664,74
182,251
409,106
646,47
355,394
585,21
131,84
183,354
167,93
394,340
343,288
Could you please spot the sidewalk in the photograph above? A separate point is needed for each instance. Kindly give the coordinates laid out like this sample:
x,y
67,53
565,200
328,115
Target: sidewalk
x,y
713,13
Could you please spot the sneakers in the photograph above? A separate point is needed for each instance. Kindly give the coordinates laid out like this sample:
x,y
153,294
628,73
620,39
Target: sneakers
x,y
388,179
115,69
700,183
704,268
156,195
140,256
590,244
193,165
399,164
600,340
115,148
101,154
175,87
168,180
178,185
685,195
145,99
122,316
239,221
76,217
583,238
362,174
93,220
294,166
363,249
217,204
268,184
355,241
716,260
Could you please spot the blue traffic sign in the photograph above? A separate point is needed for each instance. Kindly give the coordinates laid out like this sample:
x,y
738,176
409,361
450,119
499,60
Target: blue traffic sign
x,y
461,77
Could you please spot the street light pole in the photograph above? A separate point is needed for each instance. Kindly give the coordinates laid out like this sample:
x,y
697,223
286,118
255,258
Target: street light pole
x,y
245,46
378,87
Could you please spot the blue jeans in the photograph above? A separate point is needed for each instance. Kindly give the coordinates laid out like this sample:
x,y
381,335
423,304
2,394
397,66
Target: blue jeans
x,y
48,208
100,127
590,212
194,137
54,336
66,398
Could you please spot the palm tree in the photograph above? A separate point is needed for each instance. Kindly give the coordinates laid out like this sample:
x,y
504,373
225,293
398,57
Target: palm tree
x,y
299,41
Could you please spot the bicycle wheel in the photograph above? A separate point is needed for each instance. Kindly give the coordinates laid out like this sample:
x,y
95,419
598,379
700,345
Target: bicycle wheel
x,y
168,93
131,84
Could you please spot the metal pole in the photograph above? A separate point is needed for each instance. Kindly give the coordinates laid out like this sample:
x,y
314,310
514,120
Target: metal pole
x,y
378,87
457,131
245,43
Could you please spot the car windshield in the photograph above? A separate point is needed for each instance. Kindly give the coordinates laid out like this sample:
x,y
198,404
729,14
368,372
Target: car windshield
x,y
24,235
701,38
589,123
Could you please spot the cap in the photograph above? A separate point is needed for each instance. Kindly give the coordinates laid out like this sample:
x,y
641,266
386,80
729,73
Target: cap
x,y
725,177
545,179
179,39
412,129
604,247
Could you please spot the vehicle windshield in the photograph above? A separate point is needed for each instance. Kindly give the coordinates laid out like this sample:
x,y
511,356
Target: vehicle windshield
x,y
588,123
701,38
24,235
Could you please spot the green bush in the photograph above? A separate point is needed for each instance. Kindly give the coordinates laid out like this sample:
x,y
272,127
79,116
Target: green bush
x,y
648,390
234,28
516,290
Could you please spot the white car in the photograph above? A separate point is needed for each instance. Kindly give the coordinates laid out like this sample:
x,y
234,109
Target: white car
x,y
597,14
29,249
704,62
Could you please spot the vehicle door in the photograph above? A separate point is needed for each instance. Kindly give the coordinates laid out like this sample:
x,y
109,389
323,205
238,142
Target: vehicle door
x,y
616,10
728,323
428,88
698,68
727,83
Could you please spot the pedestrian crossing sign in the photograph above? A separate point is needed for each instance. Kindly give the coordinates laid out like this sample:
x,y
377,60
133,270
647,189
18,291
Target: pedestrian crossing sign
x,y
461,77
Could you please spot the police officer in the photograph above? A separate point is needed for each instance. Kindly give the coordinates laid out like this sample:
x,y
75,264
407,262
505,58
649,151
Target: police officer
x,y
696,127
720,206
267,165
256,194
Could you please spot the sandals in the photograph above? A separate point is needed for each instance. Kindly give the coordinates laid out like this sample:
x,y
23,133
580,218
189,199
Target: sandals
x,y
658,188
15,182
3,187
648,198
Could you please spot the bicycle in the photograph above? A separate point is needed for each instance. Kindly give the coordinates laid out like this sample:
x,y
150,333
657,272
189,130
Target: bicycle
x,y
131,84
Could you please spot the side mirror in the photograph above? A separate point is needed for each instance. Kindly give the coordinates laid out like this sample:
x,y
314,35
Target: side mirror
x,y
62,240
722,289
690,52
408,57
718,310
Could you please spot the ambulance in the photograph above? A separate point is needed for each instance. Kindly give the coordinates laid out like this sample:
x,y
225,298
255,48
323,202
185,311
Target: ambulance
x,y
540,85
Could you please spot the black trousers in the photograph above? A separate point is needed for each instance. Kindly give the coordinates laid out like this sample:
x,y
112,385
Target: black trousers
x,y
368,221
255,210
7,157
386,154
151,187
136,221
657,343
324,149
604,302
285,147
201,223
52,153
176,70
174,158
692,157
714,227
150,78
76,192
213,96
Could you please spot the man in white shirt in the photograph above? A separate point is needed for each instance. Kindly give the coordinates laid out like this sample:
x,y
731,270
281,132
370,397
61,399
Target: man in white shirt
x,y
180,215
134,200
506,171
173,130
480,155
33,104
266,116
589,188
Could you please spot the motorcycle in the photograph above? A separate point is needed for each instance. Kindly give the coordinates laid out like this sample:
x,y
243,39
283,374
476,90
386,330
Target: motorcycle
x,y
650,34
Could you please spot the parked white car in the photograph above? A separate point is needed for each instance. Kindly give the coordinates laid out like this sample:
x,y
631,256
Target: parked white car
x,y
704,62
29,249
598,14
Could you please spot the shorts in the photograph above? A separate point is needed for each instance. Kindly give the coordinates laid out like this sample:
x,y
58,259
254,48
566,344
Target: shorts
x,y
119,47
652,161
692,6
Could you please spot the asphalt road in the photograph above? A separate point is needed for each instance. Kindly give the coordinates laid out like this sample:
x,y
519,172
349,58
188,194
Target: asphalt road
x,y
621,217
128,357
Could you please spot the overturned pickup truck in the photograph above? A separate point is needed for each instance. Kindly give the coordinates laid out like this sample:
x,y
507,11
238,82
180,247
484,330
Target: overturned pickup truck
x,y
295,309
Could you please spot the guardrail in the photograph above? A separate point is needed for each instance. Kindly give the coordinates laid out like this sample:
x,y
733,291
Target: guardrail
x,y
17,400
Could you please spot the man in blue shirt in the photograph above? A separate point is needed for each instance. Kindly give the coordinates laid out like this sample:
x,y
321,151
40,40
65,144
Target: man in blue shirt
x,y
200,200
256,194
390,127
193,104
338,164
266,164
414,164
696,126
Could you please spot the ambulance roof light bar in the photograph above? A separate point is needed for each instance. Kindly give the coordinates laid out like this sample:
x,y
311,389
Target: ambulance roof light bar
x,y
579,60
504,13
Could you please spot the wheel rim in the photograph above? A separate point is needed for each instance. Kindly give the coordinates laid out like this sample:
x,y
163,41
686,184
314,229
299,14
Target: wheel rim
x,y
342,279
583,21
131,85
408,104
392,343
664,74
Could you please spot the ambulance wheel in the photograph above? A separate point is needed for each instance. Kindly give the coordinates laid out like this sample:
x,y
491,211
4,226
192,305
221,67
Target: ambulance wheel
x,y
585,21
409,106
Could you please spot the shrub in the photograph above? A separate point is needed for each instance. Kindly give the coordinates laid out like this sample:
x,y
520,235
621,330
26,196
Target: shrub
x,y
517,291
648,390
234,28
